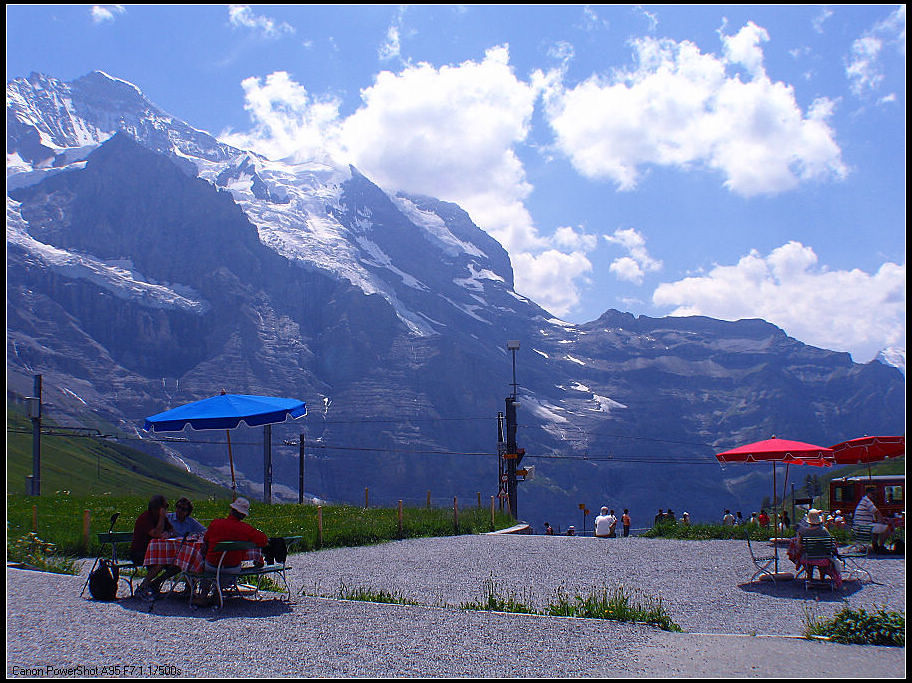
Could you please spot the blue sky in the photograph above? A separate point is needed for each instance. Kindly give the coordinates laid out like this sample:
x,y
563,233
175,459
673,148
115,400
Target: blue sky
x,y
729,161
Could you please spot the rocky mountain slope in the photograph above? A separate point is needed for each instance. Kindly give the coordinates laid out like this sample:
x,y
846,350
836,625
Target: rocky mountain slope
x,y
149,265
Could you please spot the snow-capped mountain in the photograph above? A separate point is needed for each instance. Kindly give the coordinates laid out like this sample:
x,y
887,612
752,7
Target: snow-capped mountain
x,y
148,264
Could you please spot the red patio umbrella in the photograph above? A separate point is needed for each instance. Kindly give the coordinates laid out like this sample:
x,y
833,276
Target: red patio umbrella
x,y
868,449
779,451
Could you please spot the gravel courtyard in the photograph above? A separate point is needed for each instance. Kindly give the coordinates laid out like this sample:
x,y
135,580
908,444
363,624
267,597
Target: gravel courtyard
x,y
732,627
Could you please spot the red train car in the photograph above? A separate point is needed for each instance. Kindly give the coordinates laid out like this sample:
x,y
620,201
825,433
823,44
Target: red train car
x,y
889,497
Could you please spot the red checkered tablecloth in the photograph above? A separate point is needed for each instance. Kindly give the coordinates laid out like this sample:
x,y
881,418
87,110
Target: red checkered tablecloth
x,y
187,555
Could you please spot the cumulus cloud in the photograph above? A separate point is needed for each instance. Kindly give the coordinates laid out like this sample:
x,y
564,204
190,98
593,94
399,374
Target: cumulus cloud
x,y
682,108
449,132
634,266
287,120
102,13
852,311
242,16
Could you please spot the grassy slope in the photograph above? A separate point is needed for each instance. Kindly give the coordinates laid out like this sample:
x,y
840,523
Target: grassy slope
x,y
88,466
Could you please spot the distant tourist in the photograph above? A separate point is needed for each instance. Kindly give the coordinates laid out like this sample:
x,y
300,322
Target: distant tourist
x,y
763,519
549,531
670,516
625,522
740,520
685,519
728,519
659,518
603,524
784,522
571,530
612,525
753,520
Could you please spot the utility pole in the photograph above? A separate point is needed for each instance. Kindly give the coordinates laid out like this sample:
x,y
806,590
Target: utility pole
x,y
34,413
513,455
501,468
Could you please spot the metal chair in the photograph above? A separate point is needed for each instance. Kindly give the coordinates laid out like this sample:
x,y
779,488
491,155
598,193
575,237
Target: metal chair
x,y
817,548
126,570
855,556
762,563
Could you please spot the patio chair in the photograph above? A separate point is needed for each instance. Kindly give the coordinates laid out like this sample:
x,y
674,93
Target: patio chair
x,y
855,556
816,549
126,570
762,563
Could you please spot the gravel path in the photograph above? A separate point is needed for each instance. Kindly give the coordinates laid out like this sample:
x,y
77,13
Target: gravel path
x,y
702,585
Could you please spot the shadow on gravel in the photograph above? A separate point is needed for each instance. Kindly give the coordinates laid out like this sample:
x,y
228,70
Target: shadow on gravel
x,y
796,590
234,608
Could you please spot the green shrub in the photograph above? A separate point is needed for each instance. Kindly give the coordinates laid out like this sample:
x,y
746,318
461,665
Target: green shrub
x,y
33,552
860,627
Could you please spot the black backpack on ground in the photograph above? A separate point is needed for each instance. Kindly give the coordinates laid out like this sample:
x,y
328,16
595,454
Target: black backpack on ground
x,y
103,581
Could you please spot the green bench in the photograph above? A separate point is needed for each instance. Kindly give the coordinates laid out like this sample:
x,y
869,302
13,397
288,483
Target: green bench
x,y
193,579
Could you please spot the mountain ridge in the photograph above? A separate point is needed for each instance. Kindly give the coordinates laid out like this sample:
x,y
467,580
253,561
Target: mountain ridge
x,y
141,276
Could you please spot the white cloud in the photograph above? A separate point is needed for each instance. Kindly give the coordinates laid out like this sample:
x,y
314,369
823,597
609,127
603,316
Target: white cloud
x,y
242,16
288,121
634,266
864,68
850,311
744,48
102,13
680,108
448,132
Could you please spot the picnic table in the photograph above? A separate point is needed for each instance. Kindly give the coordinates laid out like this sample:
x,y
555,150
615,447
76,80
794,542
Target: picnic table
x,y
186,554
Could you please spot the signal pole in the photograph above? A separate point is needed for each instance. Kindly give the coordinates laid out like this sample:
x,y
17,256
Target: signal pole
x,y
513,455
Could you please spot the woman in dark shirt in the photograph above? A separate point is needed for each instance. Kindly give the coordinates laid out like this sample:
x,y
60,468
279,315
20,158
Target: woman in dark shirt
x,y
153,523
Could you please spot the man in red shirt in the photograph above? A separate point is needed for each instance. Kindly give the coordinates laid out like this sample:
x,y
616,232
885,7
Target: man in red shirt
x,y
230,528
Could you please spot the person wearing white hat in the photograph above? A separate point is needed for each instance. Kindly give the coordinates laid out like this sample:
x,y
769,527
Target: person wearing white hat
x,y
814,529
230,528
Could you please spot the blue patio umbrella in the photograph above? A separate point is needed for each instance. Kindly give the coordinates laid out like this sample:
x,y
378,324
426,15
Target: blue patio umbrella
x,y
227,411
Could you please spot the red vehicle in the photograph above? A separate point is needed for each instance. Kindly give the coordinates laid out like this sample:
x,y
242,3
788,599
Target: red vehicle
x,y
889,497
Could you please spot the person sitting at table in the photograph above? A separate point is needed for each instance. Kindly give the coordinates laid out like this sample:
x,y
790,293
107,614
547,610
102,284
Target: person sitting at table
x,y
763,518
230,528
813,529
153,523
867,513
182,522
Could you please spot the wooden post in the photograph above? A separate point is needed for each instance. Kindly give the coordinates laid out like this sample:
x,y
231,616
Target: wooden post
x,y
35,518
492,513
365,497
400,519
429,500
478,493
455,516
319,526
86,517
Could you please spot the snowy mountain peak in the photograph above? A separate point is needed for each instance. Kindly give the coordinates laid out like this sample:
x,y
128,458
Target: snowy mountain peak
x,y
322,214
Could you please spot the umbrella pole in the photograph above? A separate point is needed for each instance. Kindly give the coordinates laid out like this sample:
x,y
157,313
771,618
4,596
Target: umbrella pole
x,y
775,519
231,463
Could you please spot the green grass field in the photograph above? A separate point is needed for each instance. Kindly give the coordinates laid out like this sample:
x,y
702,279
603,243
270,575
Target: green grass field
x,y
89,466
60,520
